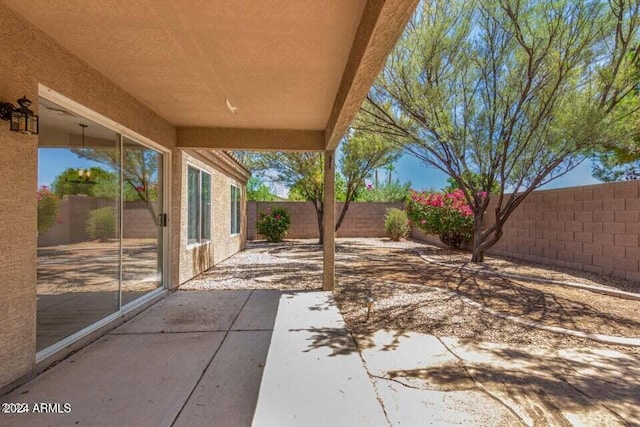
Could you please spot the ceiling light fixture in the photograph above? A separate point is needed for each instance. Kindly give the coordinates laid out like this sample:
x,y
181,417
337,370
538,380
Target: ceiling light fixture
x,y
84,175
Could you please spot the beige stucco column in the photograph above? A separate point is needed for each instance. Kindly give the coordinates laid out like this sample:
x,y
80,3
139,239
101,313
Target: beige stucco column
x,y
329,220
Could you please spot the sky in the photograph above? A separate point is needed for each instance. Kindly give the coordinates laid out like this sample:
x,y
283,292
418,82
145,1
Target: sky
x,y
408,168
53,161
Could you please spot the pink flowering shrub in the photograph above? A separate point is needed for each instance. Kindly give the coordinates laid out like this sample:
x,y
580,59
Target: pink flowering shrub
x,y
273,224
446,215
48,204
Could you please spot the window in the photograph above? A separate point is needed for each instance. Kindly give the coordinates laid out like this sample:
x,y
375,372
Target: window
x,y
236,195
199,205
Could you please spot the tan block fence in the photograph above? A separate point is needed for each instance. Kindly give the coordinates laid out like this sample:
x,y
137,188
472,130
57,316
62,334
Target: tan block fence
x,y
361,220
594,228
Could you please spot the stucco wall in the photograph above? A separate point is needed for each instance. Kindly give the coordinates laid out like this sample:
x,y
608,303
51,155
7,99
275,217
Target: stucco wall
x,y
30,57
196,258
361,219
593,228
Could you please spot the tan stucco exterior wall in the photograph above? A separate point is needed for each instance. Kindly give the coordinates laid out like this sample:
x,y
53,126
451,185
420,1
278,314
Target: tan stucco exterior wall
x,y
30,57
196,258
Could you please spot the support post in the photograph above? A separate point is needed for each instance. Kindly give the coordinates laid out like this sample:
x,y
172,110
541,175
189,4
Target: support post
x,y
329,221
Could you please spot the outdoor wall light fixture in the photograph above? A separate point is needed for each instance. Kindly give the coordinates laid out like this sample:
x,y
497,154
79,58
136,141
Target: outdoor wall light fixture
x,y
21,119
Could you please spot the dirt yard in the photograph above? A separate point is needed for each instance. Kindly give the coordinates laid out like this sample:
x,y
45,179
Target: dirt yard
x,y
412,294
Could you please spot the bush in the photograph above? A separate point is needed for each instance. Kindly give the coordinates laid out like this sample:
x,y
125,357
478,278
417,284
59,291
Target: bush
x,y
101,224
273,224
48,204
396,224
446,215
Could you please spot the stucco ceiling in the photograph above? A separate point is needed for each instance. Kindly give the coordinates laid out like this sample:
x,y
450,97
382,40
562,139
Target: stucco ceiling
x,y
279,62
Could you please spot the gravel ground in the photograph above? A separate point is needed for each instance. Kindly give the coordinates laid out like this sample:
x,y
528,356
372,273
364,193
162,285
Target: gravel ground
x,y
260,266
411,294
520,267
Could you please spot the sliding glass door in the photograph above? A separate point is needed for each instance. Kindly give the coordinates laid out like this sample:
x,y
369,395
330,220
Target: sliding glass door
x,y
100,218
142,220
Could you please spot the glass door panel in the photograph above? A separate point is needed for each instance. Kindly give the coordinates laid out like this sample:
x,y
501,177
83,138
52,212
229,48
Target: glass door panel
x,y
141,220
78,264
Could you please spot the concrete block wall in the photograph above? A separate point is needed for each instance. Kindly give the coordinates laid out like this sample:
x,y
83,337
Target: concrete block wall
x,y
593,228
70,226
361,220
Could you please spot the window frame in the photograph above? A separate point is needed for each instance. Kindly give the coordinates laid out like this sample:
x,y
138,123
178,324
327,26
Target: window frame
x,y
200,208
236,207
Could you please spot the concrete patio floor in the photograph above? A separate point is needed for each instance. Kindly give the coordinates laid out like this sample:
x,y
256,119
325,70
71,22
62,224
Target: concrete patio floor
x,y
194,358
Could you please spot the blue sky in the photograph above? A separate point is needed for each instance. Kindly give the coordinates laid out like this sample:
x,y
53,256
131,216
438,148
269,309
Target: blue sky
x,y
53,161
409,168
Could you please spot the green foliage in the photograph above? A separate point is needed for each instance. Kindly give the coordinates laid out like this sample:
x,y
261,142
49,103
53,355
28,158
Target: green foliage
x,y
475,180
609,168
396,224
273,224
101,224
48,206
362,153
259,191
304,172
446,215
103,183
516,92
387,192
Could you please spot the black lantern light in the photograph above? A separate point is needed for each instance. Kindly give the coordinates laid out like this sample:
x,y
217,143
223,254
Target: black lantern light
x,y
22,119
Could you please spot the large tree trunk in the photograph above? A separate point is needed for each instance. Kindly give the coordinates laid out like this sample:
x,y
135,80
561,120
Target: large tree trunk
x,y
483,240
320,223
343,212
477,252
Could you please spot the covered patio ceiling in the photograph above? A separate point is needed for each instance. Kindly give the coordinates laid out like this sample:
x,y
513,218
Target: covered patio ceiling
x,y
296,70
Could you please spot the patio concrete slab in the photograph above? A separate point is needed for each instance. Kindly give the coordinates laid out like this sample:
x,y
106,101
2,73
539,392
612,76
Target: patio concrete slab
x,y
147,378
589,387
421,383
189,311
228,391
314,375
140,380
260,311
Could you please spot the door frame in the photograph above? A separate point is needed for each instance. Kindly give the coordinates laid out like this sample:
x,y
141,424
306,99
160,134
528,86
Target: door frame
x,y
75,107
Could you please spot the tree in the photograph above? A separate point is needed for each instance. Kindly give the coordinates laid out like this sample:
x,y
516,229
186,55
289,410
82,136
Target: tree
x,y
259,191
389,192
362,154
510,93
139,171
102,183
609,168
304,172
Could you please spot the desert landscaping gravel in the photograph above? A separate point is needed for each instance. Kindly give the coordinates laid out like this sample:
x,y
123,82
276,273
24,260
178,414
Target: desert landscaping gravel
x,y
411,294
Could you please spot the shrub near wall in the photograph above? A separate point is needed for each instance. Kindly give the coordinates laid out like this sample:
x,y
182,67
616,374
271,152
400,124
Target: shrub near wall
x,y
101,224
446,215
396,224
273,224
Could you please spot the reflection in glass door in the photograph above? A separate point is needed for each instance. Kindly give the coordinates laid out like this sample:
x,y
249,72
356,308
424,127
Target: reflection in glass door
x,y
141,220
100,223
78,264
